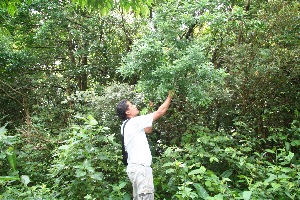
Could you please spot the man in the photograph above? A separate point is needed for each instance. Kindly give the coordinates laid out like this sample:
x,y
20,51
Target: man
x,y
136,144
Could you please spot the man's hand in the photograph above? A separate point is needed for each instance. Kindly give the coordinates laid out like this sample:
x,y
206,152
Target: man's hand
x,y
151,104
171,93
148,130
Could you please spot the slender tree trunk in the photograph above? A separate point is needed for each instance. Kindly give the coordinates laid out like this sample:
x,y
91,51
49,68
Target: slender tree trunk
x,y
248,5
82,78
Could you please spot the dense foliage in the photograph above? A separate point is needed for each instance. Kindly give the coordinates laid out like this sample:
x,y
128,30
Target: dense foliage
x,y
233,128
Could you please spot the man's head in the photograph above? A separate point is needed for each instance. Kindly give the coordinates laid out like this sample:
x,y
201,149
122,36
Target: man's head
x,y
126,110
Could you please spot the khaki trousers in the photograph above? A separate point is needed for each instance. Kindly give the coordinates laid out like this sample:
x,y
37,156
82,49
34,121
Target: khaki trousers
x,y
141,178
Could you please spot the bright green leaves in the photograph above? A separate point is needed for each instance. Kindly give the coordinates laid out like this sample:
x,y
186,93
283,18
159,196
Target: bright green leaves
x,y
202,193
10,6
189,176
200,170
86,168
247,195
170,57
138,6
162,67
12,158
7,149
86,159
88,120
240,173
6,145
9,178
5,139
106,5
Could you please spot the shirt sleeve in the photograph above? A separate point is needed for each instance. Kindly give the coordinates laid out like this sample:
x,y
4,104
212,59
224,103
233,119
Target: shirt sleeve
x,y
143,121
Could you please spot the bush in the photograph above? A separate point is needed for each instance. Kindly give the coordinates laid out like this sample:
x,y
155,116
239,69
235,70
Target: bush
x,y
217,165
87,163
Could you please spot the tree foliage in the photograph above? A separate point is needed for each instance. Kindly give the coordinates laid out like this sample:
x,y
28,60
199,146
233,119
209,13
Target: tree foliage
x,y
104,6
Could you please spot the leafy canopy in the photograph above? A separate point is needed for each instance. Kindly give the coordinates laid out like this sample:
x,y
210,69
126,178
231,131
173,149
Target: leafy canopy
x,y
141,6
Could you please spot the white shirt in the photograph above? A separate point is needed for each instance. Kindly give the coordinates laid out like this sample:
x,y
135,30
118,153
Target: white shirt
x,y
135,140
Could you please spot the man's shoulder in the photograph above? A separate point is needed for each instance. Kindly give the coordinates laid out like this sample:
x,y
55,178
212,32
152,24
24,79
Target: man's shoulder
x,y
142,117
145,116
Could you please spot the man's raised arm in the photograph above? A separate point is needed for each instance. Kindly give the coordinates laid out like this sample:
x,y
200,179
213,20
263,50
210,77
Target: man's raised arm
x,y
163,108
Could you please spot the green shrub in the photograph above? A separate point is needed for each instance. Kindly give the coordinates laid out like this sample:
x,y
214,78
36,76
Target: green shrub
x,y
87,163
27,193
226,166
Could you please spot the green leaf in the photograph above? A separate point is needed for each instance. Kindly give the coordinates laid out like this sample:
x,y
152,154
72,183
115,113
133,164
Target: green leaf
x,y
11,8
80,173
97,176
2,155
289,157
202,193
64,147
149,2
87,163
92,120
122,184
2,129
9,178
144,111
212,159
127,197
247,195
169,171
270,151
271,178
216,197
286,169
11,157
25,179
289,195
295,143
227,173
201,170
226,180
275,186
208,183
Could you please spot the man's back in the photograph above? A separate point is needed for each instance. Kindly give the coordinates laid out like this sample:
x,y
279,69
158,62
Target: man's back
x,y
136,143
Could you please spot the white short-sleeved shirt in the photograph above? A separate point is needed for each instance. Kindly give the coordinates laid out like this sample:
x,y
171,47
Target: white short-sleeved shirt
x,y
135,140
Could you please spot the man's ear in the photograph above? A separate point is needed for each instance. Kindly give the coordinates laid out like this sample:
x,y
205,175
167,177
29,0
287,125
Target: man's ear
x,y
127,112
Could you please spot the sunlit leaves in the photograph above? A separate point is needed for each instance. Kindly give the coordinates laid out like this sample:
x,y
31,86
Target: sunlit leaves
x,y
12,158
200,170
10,5
104,6
85,152
162,66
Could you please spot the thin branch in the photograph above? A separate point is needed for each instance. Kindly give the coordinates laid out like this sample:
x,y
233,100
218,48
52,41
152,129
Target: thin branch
x,y
11,88
11,96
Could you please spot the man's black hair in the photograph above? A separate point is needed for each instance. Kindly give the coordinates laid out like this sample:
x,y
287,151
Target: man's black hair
x,y
122,107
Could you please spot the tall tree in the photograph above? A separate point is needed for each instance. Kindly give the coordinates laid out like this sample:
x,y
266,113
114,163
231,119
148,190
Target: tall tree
x,y
62,49
203,40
